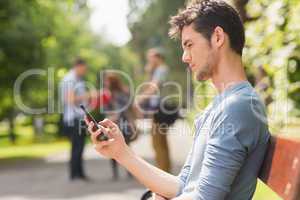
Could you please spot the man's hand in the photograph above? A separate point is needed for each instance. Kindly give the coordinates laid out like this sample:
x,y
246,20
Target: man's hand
x,y
115,147
153,178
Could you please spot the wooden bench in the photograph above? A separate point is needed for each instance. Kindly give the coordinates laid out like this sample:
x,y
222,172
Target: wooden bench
x,y
280,170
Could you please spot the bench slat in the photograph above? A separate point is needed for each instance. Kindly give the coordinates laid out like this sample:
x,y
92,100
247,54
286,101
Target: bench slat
x,y
281,167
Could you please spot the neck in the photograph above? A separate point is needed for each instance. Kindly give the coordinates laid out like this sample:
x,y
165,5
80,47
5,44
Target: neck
x,y
228,71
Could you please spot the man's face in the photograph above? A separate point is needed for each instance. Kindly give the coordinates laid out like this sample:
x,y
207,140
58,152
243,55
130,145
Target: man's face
x,y
197,53
152,59
81,70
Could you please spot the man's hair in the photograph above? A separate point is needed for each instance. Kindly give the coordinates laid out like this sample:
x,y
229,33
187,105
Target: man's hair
x,y
79,61
205,16
158,52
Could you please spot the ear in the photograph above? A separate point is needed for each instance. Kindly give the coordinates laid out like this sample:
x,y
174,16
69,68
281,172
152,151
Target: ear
x,y
218,37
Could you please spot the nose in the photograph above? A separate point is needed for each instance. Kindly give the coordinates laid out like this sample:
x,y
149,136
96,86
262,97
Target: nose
x,y
186,57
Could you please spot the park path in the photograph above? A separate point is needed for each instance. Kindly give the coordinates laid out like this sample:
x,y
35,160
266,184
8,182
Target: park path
x,y
47,179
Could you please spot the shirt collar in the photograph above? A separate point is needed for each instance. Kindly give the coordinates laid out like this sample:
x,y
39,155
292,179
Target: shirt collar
x,y
231,90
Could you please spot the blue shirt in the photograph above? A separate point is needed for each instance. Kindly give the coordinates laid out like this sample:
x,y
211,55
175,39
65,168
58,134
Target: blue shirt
x,y
159,75
229,146
77,85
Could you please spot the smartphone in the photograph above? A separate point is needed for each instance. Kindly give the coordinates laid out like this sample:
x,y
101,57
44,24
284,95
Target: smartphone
x,y
101,136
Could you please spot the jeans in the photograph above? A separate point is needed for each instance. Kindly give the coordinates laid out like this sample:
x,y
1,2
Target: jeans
x,y
76,134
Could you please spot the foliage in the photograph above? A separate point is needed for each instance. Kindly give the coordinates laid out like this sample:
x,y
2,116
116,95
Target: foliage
x,y
48,35
150,29
34,35
273,43
20,47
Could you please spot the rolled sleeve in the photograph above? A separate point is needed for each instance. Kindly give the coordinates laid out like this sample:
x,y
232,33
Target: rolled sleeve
x,y
184,173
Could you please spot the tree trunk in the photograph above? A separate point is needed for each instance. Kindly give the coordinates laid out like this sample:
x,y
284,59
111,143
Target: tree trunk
x,y
11,134
38,125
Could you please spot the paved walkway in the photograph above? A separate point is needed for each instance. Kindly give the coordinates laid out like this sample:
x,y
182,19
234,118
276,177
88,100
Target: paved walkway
x,y
47,178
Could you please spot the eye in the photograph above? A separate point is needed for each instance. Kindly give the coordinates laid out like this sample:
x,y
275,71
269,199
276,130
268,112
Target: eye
x,y
189,45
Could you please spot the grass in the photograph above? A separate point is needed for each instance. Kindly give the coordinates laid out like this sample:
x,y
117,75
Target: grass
x,y
32,151
264,193
28,146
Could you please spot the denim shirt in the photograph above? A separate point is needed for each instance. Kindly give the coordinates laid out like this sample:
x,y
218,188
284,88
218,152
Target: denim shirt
x,y
72,82
229,146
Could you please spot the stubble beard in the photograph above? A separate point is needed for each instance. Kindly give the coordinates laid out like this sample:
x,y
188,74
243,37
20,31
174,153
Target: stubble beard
x,y
204,74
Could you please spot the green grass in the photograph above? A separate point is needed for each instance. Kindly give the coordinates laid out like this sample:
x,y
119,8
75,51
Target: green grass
x,y
28,146
32,151
264,193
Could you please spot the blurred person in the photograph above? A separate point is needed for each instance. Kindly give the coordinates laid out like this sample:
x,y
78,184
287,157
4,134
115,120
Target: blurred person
x,y
74,93
120,111
231,134
100,101
157,71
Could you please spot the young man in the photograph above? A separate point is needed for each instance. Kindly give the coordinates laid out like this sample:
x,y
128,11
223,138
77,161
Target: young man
x,y
73,93
231,134
157,72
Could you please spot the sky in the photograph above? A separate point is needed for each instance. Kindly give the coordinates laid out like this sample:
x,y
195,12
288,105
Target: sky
x,y
108,18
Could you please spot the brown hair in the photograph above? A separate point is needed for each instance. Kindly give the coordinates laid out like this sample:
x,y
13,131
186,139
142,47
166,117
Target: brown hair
x,y
206,15
79,61
158,52
115,82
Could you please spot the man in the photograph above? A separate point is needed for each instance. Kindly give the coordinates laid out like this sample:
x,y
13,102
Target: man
x,y
231,135
157,72
73,93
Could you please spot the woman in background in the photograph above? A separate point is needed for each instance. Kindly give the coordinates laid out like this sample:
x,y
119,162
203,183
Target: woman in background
x,y
119,110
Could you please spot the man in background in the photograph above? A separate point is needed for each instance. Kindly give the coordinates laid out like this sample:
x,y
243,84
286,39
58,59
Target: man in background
x,y
73,93
157,72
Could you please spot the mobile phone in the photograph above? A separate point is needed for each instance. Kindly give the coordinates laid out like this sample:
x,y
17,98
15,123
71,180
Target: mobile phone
x,y
101,136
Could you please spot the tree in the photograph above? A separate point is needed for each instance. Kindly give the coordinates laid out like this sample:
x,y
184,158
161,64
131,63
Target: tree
x,y
21,49
273,43
149,27
48,35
